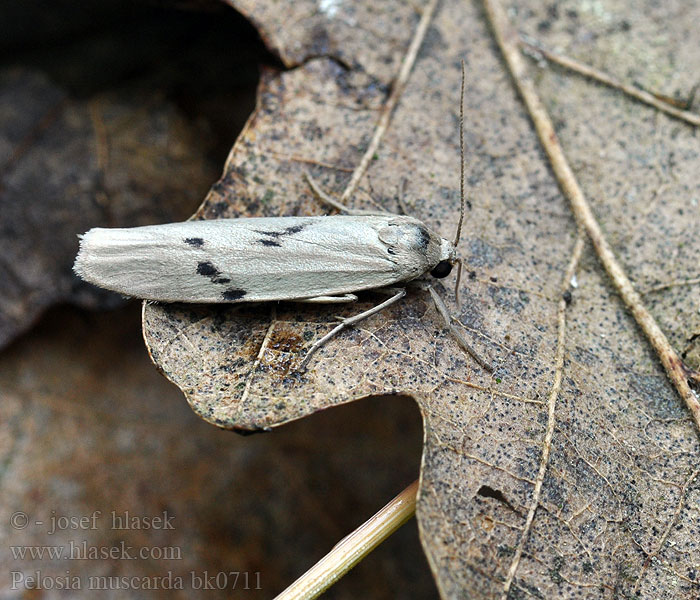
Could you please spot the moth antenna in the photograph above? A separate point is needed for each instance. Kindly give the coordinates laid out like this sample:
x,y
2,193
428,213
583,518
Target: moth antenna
x,y
458,280
461,160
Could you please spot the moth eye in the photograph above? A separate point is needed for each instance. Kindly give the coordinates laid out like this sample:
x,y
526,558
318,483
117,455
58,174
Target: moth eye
x,y
442,269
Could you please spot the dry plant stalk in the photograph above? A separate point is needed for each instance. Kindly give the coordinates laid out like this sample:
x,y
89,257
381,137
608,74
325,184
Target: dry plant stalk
x,y
353,548
604,78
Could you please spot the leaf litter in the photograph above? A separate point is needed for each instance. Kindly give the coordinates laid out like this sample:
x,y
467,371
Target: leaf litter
x,y
613,510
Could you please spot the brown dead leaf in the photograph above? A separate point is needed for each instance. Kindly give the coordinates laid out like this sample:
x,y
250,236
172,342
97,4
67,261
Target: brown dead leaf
x,y
360,35
618,510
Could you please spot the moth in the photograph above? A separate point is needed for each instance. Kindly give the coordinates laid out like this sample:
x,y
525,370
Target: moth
x,y
323,259
303,259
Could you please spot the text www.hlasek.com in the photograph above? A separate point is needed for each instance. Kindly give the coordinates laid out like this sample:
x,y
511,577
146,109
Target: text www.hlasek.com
x,y
83,551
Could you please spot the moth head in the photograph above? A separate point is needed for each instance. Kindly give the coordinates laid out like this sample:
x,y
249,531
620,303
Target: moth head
x,y
448,258
442,269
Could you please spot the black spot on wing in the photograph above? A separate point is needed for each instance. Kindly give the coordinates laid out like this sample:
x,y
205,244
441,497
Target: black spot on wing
x,y
195,242
269,243
233,294
424,237
287,231
294,229
207,269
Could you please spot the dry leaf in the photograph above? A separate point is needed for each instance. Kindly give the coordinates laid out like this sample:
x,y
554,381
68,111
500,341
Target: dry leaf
x,y
618,513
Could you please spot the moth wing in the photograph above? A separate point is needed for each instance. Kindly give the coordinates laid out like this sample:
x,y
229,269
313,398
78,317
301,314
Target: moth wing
x,y
245,260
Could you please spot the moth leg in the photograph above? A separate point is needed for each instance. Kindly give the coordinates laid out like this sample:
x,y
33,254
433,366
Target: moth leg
x,y
330,299
326,199
346,322
401,196
389,291
454,330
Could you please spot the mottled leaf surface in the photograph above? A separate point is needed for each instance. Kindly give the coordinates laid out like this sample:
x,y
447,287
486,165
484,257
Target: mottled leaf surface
x,y
618,513
360,35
